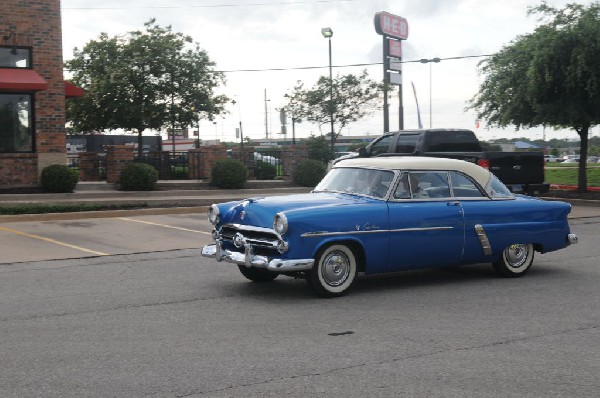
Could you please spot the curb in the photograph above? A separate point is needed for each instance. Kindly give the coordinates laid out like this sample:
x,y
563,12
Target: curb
x,y
103,214
572,187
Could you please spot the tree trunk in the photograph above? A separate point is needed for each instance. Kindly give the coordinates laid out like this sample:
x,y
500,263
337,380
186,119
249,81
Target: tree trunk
x,y
140,148
583,148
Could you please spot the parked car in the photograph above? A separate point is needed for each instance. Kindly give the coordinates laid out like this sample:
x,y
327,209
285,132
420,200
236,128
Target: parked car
x,y
552,159
266,158
521,172
386,214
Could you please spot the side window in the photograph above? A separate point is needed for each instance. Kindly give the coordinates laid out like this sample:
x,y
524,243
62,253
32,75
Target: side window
x,y
406,143
454,141
463,187
382,145
403,189
431,184
497,190
423,185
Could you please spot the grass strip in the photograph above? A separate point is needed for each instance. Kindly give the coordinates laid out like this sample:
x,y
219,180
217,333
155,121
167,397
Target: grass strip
x,y
568,176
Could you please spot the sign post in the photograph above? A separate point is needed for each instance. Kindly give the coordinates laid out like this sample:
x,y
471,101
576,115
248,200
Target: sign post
x,y
394,29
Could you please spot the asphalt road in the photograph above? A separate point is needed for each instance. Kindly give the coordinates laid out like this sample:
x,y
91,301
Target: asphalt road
x,y
147,316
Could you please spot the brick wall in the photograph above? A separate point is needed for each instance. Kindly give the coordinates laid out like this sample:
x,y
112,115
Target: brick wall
x,y
18,170
210,155
37,24
295,155
117,157
88,166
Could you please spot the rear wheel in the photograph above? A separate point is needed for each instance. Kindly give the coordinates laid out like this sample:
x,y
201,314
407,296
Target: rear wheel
x,y
515,261
334,271
257,274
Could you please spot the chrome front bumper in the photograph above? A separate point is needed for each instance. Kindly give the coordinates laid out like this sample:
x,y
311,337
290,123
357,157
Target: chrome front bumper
x,y
249,259
572,239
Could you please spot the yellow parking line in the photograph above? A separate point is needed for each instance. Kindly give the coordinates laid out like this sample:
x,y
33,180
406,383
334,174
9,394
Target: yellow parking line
x,y
164,225
53,241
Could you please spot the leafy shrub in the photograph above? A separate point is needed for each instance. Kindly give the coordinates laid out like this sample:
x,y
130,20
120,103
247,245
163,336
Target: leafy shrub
x,y
59,178
138,177
264,170
229,174
309,173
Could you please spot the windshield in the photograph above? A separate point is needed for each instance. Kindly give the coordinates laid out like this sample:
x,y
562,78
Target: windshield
x,y
358,181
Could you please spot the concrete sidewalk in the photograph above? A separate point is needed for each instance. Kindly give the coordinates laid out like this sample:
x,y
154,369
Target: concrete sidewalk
x,y
177,196
171,197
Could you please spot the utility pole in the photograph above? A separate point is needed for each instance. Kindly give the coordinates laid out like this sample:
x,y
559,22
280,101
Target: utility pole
x,y
266,117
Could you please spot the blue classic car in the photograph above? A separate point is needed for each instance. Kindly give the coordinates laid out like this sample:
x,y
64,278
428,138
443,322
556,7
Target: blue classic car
x,y
387,214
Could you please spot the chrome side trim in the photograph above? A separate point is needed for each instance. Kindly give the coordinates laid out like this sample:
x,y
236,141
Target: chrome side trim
x,y
483,240
379,231
249,259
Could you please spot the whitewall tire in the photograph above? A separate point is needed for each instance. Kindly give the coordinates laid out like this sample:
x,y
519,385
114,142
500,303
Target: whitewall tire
x,y
515,261
334,271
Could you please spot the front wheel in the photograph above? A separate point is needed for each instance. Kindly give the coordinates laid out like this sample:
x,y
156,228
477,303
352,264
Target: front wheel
x,y
515,261
257,274
334,271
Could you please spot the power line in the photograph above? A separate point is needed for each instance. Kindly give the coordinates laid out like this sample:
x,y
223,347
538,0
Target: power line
x,y
336,66
278,3
345,66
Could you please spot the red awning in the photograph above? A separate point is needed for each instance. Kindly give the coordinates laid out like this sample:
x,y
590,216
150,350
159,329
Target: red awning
x,y
72,91
21,80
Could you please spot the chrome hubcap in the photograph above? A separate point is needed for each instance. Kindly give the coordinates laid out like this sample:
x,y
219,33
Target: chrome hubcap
x,y
335,268
516,255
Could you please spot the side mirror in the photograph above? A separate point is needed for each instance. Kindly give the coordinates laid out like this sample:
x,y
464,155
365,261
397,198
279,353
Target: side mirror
x,y
362,152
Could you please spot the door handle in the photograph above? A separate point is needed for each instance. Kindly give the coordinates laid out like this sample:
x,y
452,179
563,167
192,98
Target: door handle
x,y
453,203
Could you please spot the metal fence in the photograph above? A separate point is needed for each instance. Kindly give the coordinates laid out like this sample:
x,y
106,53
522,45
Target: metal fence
x,y
266,164
95,171
179,166
262,164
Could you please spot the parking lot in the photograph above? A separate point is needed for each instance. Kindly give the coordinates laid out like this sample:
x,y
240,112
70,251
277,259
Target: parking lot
x,y
86,237
126,307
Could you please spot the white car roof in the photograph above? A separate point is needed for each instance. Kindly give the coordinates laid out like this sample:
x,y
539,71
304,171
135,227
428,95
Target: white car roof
x,y
478,173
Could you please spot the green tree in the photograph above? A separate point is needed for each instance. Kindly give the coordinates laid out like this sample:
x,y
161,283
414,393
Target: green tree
x,y
149,79
319,149
354,97
547,78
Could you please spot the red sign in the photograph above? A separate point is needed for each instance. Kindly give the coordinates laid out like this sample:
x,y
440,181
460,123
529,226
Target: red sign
x,y
395,48
391,25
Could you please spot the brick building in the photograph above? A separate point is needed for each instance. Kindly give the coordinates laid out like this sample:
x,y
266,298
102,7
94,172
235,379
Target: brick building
x,y
32,90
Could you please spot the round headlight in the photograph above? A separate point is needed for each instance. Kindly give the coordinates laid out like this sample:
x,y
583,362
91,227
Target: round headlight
x,y
280,223
213,214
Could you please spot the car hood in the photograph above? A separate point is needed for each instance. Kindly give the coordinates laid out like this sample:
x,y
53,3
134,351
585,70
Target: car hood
x,y
261,211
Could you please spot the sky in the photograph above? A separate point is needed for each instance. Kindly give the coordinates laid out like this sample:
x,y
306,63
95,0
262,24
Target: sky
x,y
258,35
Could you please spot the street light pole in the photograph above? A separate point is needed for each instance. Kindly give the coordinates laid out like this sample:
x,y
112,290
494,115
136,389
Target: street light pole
x,y
328,33
429,61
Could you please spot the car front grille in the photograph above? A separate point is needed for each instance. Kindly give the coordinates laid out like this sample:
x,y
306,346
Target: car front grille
x,y
257,237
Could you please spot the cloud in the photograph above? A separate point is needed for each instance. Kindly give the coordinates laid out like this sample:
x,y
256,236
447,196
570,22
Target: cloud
x,y
287,34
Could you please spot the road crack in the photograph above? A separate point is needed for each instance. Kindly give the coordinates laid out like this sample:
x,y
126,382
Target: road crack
x,y
400,359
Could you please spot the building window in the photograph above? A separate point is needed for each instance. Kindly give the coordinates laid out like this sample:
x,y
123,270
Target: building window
x,y
13,57
16,123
